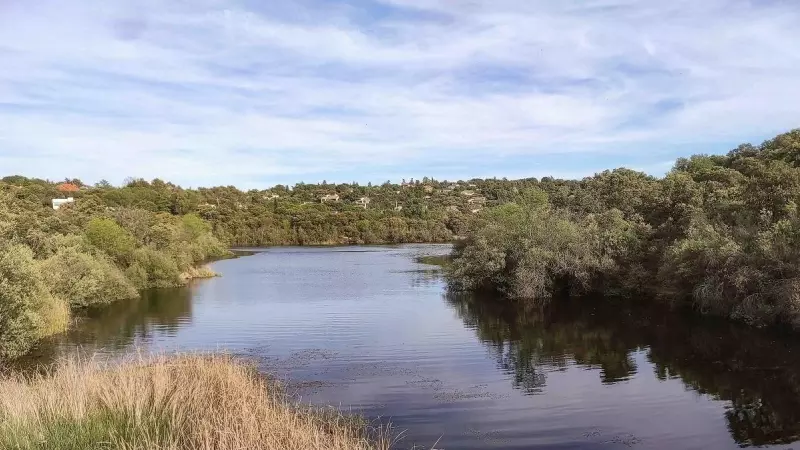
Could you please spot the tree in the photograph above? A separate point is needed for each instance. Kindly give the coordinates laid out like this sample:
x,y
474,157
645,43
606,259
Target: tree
x,y
28,311
108,236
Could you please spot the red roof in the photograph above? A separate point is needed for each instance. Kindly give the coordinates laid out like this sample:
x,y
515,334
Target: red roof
x,y
67,187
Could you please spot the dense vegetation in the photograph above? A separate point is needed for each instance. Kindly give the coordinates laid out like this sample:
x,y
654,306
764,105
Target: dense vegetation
x,y
718,233
86,254
422,211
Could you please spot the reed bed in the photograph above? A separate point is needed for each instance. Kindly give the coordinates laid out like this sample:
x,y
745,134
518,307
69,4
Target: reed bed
x,y
197,402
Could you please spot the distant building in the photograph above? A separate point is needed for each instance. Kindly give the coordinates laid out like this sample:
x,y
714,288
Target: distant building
x,y
363,202
59,202
271,197
68,188
329,198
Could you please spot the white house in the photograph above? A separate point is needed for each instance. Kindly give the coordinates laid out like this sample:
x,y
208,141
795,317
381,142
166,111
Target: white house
x,y
59,202
363,202
329,198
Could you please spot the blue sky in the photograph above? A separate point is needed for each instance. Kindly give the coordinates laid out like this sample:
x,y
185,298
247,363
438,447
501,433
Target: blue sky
x,y
253,93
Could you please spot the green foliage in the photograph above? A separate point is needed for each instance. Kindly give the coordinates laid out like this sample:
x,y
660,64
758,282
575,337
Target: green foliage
x,y
194,226
110,237
24,302
90,254
84,279
535,252
720,234
153,269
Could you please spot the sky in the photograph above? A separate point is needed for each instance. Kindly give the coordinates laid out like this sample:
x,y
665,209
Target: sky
x,y
256,92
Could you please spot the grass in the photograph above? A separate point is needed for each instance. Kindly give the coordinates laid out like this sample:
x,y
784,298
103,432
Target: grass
x,y
169,403
198,272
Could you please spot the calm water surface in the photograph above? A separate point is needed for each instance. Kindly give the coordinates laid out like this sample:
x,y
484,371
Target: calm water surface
x,y
374,331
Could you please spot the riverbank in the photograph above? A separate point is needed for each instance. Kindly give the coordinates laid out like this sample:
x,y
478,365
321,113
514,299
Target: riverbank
x,y
176,403
55,263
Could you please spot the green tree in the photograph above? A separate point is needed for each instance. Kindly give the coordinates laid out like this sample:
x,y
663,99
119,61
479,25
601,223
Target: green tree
x,y
108,236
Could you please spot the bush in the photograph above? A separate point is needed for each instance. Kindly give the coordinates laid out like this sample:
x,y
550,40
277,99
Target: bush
x,y
153,269
84,279
111,238
534,252
753,276
194,227
28,311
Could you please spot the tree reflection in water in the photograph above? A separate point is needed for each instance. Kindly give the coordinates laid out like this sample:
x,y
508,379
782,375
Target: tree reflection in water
x,y
757,372
117,327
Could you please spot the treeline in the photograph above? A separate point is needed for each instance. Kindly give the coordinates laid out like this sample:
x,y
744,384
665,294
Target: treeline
x,y
55,262
718,233
416,211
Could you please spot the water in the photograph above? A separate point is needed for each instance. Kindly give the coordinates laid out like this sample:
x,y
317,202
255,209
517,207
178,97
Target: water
x,y
373,331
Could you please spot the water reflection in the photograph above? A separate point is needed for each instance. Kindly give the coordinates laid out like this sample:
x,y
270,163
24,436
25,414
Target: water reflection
x,y
756,372
118,327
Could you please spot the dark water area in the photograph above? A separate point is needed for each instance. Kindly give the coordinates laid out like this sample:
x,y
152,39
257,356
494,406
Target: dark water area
x,y
374,331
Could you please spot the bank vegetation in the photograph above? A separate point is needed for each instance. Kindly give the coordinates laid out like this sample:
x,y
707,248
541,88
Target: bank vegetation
x,y
169,403
53,263
719,234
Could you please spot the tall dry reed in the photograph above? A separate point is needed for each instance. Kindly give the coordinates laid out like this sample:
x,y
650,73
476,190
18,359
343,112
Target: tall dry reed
x,y
175,403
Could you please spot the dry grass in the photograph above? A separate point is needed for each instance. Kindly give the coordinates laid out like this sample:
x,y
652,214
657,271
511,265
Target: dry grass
x,y
175,403
198,272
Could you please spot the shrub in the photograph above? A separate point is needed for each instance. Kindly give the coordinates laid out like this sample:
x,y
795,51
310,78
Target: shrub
x,y
28,311
531,252
111,238
84,279
194,227
752,276
153,269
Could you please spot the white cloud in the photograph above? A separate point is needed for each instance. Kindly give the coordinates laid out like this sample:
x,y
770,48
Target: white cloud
x,y
211,92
